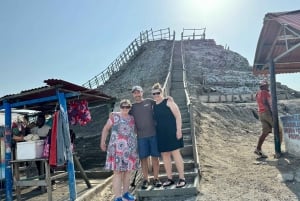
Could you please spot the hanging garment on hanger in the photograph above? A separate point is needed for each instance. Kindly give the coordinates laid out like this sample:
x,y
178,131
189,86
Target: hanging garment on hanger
x,y
64,149
79,112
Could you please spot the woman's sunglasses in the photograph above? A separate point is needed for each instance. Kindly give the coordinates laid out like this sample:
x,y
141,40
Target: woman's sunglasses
x,y
156,93
125,107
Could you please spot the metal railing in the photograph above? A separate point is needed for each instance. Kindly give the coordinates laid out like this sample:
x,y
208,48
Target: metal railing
x,y
127,54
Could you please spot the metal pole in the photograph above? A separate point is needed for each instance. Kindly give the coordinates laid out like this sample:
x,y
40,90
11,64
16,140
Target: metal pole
x,y
8,169
274,109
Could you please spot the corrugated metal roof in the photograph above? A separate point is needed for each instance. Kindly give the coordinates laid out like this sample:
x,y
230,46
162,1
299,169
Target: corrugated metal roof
x,y
93,96
279,40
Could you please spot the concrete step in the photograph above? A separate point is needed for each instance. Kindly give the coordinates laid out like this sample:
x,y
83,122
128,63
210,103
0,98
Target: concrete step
x,y
177,65
187,139
180,93
164,193
181,102
185,120
189,165
177,78
179,99
177,85
184,115
186,131
187,151
191,171
183,109
186,124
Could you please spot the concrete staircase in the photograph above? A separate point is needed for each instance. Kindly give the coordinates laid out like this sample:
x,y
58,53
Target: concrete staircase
x,y
191,170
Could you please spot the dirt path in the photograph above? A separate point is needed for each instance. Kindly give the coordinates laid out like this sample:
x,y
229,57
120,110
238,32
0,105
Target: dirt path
x,y
229,167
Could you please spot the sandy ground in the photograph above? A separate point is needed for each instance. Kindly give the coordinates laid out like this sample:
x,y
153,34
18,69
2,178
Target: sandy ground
x,y
230,170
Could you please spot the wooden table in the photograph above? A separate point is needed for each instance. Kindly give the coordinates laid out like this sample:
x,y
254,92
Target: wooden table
x,y
43,182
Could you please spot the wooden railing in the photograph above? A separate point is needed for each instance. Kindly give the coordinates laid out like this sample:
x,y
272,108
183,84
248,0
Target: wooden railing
x,y
191,109
167,83
127,54
193,34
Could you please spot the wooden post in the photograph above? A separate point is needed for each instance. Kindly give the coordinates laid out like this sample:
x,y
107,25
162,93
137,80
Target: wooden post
x,y
47,179
17,177
78,165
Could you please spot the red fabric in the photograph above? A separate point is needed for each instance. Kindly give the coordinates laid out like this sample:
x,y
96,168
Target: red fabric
x,y
79,112
261,97
53,154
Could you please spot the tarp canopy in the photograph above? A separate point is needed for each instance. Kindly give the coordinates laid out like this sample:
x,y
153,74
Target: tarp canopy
x,y
279,40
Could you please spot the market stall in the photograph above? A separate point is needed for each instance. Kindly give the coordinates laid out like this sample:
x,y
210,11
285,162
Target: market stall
x,y
277,52
57,95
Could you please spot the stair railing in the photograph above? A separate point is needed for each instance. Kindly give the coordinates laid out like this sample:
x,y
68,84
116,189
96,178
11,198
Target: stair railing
x,y
167,83
191,110
128,54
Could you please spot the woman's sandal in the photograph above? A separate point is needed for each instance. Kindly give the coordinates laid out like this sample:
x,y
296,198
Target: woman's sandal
x,y
169,182
181,183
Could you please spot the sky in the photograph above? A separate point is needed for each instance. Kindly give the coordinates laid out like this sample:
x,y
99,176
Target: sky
x,y
75,40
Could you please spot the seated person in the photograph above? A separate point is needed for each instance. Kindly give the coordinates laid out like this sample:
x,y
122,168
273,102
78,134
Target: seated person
x,y
19,130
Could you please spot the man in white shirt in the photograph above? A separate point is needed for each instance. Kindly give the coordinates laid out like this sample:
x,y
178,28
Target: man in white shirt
x,y
42,130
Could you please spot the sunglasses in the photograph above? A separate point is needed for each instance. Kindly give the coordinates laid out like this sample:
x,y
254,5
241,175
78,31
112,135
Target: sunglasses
x,y
156,93
125,107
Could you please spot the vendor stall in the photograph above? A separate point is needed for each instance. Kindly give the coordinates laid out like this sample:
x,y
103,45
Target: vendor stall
x,y
48,99
277,52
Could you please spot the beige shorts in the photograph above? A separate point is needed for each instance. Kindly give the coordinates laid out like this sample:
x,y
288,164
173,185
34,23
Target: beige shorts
x,y
266,120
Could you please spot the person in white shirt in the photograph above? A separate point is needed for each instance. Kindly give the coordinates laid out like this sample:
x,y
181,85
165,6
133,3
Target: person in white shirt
x,y
42,130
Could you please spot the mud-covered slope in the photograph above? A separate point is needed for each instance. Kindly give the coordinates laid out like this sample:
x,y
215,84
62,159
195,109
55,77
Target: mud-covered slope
x,y
150,65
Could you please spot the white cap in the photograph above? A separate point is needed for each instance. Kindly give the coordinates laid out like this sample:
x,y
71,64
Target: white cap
x,y
136,88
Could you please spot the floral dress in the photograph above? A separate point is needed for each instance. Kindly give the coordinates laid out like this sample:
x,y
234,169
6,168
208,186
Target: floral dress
x,y
122,148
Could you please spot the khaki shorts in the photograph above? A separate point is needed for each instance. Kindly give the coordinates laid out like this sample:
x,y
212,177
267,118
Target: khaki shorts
x,y
266,120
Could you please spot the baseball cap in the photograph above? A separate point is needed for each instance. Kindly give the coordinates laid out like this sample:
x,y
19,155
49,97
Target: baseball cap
x,y
136,88
263,83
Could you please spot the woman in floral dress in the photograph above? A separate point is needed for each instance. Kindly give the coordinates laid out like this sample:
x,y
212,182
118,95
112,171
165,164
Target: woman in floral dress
x,y
122,155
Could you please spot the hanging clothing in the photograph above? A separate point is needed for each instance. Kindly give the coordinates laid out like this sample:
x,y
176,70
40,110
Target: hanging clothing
x,y
79,113
64,150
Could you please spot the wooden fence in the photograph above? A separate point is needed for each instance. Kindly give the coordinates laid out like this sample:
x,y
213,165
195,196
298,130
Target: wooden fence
x,y
193,34
127,54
